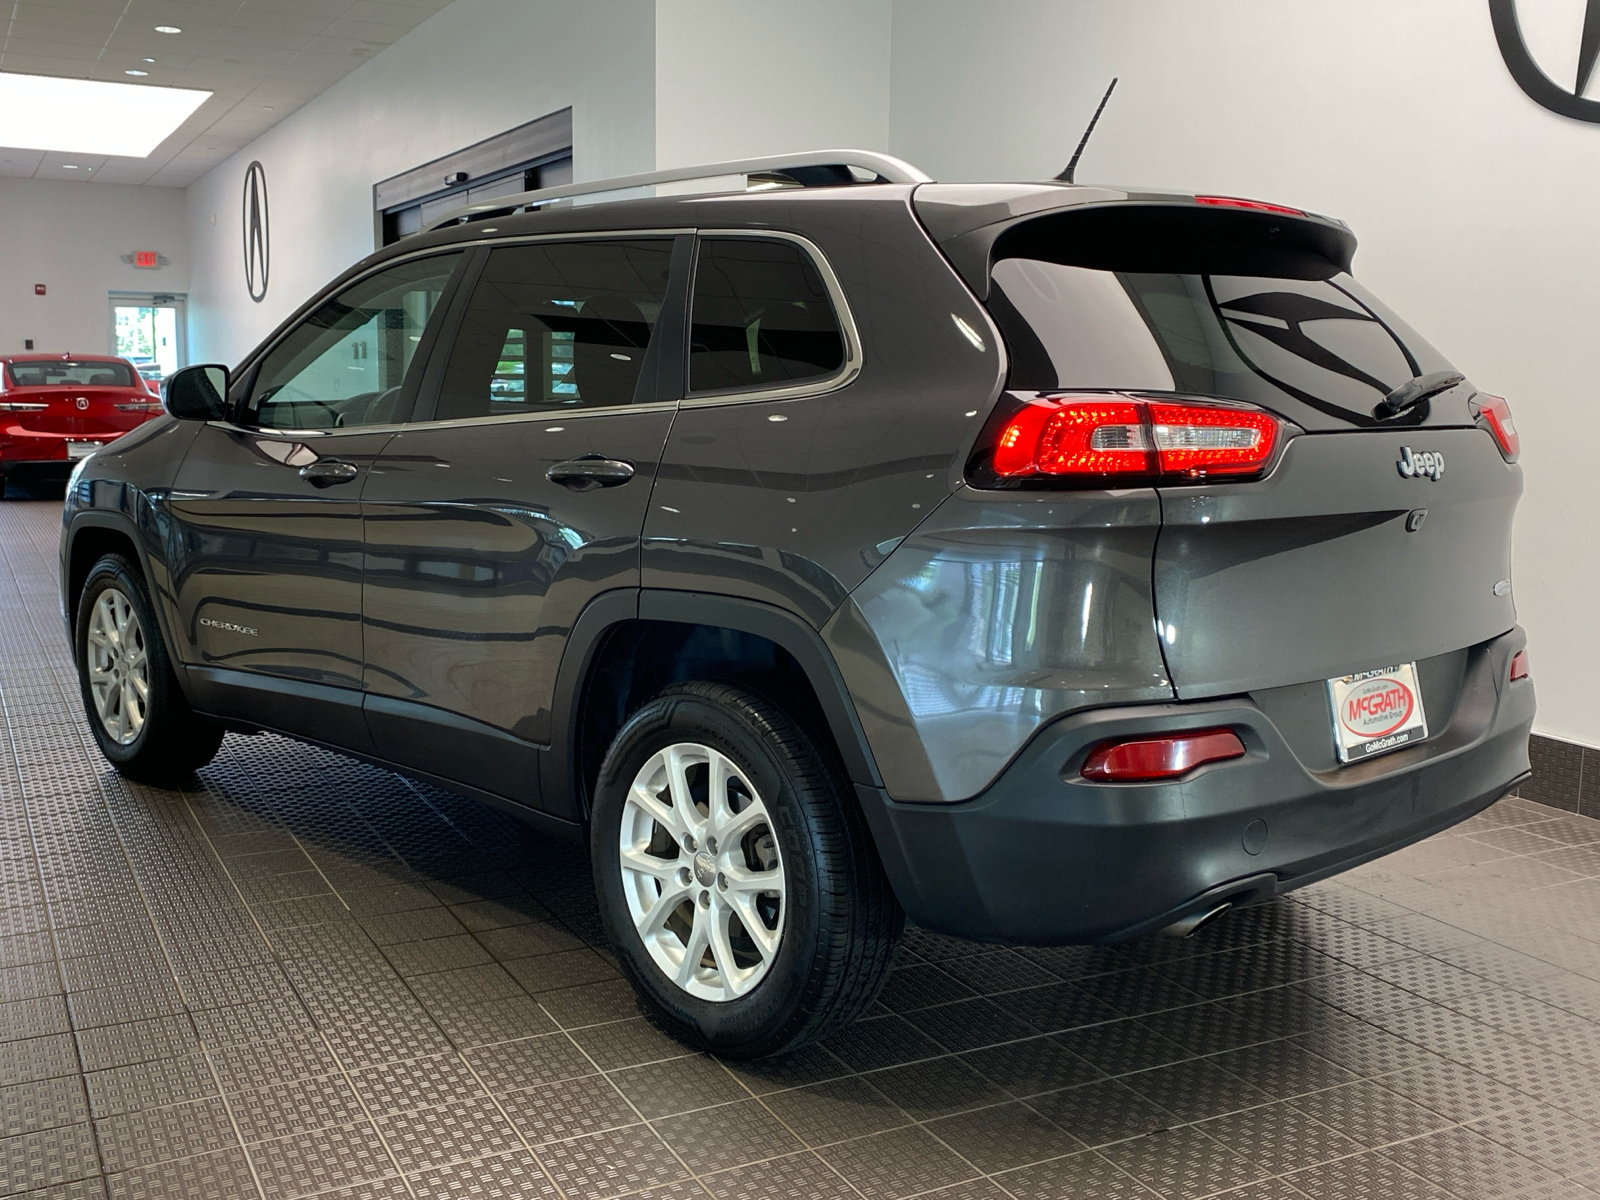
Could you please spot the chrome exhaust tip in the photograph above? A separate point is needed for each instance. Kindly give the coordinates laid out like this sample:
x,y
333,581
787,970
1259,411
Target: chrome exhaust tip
x,y
1196,921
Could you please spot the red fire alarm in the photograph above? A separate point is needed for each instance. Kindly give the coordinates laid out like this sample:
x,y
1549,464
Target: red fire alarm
x,y
147,259
38,289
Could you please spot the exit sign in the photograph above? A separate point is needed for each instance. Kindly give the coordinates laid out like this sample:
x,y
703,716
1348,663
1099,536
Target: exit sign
x,y
147,259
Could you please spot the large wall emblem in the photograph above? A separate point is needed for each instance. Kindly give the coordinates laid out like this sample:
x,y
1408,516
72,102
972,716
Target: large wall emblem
x,y
257,242
1530,76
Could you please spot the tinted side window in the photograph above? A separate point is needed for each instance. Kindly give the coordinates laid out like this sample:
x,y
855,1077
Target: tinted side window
x,y
762,317
556,325
344,364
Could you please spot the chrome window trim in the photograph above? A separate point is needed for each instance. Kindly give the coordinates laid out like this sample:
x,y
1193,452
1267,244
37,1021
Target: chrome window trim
x,y
853,356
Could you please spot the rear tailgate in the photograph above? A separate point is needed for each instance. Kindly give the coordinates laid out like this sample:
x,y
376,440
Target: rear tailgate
x,y
1312,573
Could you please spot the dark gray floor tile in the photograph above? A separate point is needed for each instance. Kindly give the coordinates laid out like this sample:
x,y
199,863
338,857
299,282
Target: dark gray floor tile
x,y
458,1132
835,1111
314,1161
1085,1176
514,1176
1467,1164
38,1017
591,1004
109,1046
729,1135
553,972
43,1104
1118,1047
882,1042
1363,1176
1004,1136
568,1109
604,1164
504,1020
801,1176
936,1088
1098,1114
436,954
1195,1089
626,1044
900,1162
1183,1162
406,1086
48,1158
297,1107
259,1064
970,1024
221,1173
529,1062
154,1135
1279,1137
149,1085
677,1085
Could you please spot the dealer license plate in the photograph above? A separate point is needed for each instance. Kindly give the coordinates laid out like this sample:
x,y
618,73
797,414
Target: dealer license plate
x,y
1376,711
82,449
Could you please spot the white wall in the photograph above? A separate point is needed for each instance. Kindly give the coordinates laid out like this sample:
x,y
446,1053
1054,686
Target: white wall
x,y
70,236
1474,206
476,69
741,78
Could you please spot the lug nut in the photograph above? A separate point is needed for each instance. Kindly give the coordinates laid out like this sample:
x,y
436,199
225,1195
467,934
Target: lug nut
x,y
711,845
688,842
705,899
683,876
722,881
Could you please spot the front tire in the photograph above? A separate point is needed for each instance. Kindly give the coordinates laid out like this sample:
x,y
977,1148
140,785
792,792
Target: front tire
x,y
136,710
737,881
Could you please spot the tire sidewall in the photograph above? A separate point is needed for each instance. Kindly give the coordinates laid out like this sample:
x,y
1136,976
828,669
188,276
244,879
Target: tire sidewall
x,y
773,1002
115,572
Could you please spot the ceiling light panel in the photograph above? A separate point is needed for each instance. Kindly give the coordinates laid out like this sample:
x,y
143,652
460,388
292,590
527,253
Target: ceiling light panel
x,y
85,116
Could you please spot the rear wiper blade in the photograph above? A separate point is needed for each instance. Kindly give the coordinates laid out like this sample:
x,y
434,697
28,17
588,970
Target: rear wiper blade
x,y
1414,391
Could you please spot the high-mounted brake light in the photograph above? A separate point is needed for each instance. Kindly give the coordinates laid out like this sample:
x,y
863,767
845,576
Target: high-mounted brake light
x,y
1118,439
1494,414
1146,759
1519,665
1250,205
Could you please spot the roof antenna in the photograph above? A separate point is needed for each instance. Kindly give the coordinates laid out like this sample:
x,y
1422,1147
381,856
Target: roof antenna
x,y
1072,167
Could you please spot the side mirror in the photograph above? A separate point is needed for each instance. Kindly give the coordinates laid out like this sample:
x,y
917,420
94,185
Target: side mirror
x,y
198,393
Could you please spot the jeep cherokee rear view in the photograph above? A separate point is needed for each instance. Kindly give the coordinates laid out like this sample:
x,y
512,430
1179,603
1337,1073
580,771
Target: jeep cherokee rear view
x,y
1042,563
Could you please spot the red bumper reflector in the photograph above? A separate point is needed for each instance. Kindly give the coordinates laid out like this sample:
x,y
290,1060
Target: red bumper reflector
x,y
1150,759
1519,666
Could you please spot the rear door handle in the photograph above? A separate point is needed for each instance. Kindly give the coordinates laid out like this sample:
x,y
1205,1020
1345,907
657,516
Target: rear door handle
x,y
326,472
590,471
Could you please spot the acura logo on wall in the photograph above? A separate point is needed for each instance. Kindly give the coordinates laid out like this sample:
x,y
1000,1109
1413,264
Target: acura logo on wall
x,y
257,244
1531,79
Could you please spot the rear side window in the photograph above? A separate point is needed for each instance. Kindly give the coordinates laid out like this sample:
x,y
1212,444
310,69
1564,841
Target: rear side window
x,y
556,325
762,318
1322,351
79,373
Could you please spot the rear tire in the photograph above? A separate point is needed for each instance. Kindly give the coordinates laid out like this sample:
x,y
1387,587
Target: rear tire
x,y
780,935
137,712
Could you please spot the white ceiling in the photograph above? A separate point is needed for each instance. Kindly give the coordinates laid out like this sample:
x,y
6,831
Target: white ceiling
x,y
262,58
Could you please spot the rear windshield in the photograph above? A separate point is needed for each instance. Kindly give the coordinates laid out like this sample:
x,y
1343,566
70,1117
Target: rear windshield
x,y
70,373
1320,351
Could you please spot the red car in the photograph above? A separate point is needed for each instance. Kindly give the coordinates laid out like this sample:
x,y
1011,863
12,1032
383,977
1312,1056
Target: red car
x,y
58,408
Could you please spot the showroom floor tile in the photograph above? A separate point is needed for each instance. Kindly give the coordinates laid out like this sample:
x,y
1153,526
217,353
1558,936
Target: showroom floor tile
x,y
310,977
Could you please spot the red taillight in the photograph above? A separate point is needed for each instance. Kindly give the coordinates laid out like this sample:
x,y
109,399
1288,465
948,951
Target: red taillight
x,y
140,406
1494,414
1251,205
1519,666
1117,439
1149,759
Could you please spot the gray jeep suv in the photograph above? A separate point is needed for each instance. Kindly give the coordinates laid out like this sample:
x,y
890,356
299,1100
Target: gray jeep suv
x,y
1045,563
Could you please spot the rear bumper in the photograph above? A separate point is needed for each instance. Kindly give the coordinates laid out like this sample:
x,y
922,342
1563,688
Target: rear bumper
x,y
1045,857
20,447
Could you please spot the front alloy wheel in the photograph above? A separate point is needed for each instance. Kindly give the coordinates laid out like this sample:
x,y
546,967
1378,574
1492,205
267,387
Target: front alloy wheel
x,y
702,872
118,666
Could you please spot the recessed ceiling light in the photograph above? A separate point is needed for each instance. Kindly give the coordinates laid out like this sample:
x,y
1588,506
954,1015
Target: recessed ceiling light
x,y
168,29
69,166
147,60
266,108
42,112
132,72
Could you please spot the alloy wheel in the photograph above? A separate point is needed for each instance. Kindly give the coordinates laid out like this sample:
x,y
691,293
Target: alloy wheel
x,y
119,666
702,872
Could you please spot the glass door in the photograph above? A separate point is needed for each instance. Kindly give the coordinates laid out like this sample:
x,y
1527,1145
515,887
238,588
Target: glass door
x,y
148,331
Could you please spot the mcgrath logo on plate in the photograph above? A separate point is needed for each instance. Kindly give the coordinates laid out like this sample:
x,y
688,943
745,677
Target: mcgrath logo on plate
x,y
1376,711
1377,707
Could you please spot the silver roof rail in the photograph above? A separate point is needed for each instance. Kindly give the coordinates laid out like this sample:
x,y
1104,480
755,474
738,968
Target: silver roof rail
x,y
887,168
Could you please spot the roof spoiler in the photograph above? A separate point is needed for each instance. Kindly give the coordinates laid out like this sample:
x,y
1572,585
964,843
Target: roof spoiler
x,y
818,168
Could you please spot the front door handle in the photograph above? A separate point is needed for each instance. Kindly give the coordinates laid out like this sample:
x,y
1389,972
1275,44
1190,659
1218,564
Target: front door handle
x,y
590,471
326,472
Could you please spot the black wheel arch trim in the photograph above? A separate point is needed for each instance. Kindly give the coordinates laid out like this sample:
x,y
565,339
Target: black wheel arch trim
x,y
613,608
120,523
